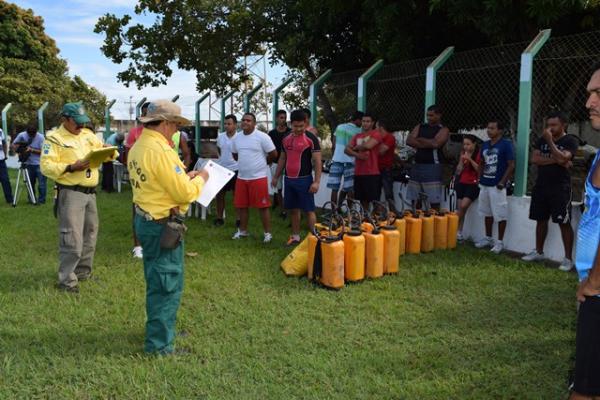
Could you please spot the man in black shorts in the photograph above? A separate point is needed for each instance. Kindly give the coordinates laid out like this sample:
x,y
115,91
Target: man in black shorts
x,y
551,195
365,148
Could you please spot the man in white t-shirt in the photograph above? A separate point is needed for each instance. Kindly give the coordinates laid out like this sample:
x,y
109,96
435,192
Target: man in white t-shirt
x,y
4,180
224,142
252,149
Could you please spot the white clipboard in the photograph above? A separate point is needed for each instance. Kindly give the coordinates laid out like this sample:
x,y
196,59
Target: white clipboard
x,y
218,177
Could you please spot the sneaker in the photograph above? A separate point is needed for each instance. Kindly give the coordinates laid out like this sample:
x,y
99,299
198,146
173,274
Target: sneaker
x,y
485,242
498,247
460,237
239,235
293,240
566,265
533,256
218,222
137,252
268,237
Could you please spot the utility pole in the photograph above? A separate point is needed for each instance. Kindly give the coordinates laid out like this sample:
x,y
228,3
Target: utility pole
x,y
130,103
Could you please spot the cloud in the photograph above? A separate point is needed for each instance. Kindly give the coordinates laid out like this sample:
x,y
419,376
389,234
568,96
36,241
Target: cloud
x,y
80,40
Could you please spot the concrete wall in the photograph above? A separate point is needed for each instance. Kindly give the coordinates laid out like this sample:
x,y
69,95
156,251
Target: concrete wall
x,y
520,230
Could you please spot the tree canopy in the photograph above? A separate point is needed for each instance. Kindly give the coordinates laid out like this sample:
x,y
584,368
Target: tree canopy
x,y
311,36
31,71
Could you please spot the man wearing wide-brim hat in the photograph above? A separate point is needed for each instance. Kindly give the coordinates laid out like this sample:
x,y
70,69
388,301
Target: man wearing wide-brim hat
x,y
162,193
62,160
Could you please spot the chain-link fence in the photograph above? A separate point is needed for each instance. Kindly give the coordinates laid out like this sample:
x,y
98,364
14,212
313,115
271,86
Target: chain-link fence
x,y
397,93
477,85
338,99
561,72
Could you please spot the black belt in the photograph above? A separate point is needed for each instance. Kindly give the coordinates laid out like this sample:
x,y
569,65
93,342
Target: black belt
x,y
146,215
77,188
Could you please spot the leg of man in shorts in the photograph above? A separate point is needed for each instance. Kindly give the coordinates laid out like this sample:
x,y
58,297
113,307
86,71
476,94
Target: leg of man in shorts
x,y
337,171
253,193
137,245
493,205
297,199
387,183
367,188
278,195
555,204
230,186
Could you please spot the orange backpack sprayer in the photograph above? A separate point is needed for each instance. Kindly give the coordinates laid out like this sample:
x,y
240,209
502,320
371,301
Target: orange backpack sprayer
x,y
354,249
326,255
414,227
400,224
427,239
440,222
391,238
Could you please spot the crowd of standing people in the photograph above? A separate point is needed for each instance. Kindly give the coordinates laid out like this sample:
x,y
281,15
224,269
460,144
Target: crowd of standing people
x,y
289,158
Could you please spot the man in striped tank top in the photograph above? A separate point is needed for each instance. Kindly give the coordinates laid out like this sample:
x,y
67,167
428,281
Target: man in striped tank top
x,y
426,175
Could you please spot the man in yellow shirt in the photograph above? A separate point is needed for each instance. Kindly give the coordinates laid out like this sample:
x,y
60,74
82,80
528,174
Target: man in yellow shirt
x,y
62,157
162,193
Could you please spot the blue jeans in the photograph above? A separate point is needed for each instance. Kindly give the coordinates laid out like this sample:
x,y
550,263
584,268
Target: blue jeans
x,y
5,182
35,174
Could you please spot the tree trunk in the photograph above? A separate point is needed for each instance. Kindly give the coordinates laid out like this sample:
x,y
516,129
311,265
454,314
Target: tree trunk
x,y
323,101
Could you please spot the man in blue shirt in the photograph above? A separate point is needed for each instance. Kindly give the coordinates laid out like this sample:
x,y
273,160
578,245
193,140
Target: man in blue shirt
x,y
498,164
342,167
586,383
33,141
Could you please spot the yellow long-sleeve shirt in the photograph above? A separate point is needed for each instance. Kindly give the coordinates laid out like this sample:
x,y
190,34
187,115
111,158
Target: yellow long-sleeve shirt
x,y
158,177
62,148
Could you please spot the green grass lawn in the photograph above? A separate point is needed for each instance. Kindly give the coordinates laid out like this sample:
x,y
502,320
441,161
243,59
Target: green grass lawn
x,y
463,324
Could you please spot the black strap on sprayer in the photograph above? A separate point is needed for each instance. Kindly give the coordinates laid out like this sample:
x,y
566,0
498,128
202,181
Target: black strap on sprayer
x,y
334,217
388,217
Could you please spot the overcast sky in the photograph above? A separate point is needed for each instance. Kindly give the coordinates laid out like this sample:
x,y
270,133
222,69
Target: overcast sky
x,y
71,24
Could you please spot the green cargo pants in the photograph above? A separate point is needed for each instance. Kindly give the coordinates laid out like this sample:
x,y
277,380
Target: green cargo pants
x,y
163,271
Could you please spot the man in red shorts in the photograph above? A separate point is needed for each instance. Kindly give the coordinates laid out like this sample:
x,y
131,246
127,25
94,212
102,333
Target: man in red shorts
x,y
301,153
252,149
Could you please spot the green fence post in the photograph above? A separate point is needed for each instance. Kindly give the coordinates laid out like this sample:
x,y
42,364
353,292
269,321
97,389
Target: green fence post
x,y
362,85
5,118
197,121
248,96
223,100
107,119
312,95
524,118
40,114
430,77
174,99
275,104
138,109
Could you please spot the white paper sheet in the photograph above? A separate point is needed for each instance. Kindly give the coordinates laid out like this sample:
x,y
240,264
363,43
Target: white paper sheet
x,y
217,178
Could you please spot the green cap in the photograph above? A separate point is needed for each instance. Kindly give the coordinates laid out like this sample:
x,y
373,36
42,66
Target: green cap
x,y
76,111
